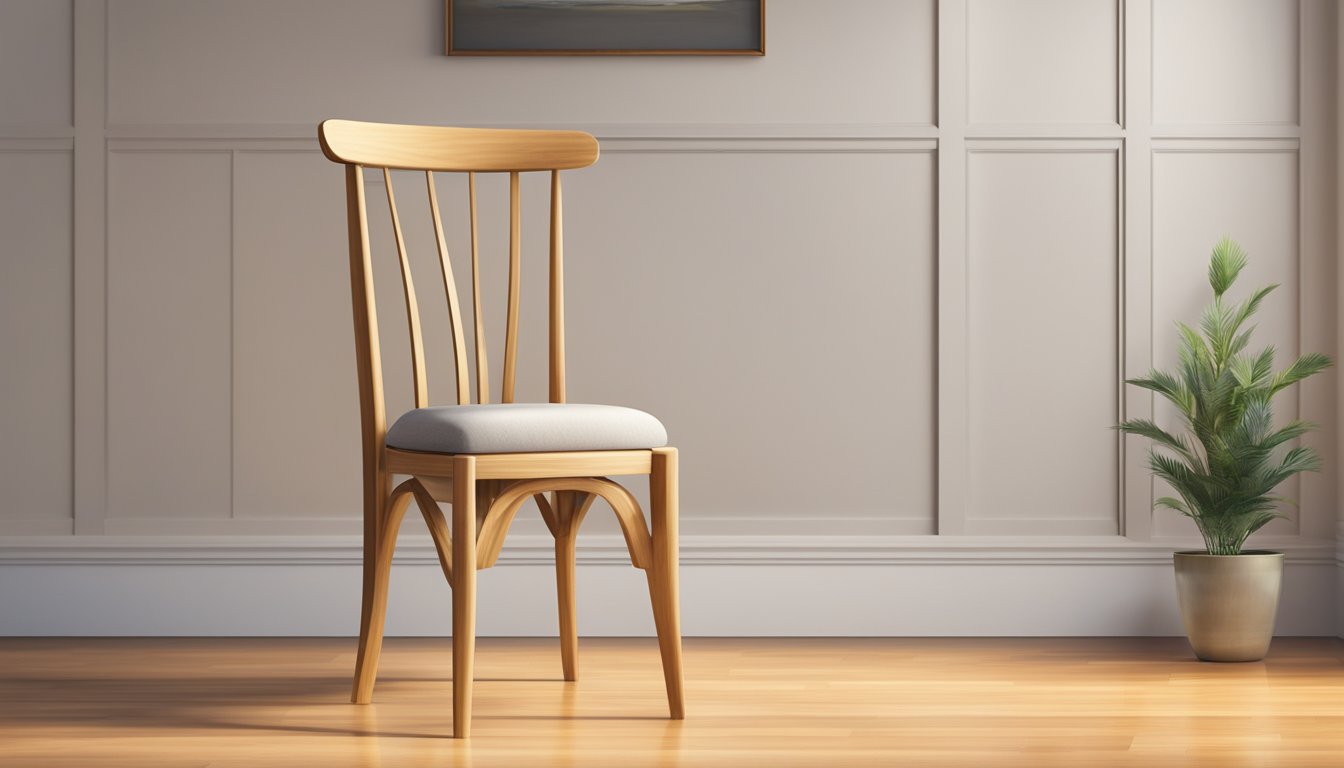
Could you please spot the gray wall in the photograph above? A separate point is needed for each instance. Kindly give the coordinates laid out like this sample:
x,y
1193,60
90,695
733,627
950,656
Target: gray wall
x,y
1339,274
882,285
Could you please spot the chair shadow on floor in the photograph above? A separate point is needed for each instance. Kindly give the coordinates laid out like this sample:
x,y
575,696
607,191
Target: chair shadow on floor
x,y
239,703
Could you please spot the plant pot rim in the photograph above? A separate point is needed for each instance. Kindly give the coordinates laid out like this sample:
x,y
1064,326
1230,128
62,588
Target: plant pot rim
x,y
1243,553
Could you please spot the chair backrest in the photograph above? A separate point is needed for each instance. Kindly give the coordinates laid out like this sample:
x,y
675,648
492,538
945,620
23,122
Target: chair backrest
x,y
433,149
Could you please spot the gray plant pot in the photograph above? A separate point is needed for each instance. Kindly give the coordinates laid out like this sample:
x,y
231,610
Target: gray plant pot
x,y
1228,602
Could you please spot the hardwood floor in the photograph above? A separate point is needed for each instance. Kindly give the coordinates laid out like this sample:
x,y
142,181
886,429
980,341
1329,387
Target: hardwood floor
x,y
750,702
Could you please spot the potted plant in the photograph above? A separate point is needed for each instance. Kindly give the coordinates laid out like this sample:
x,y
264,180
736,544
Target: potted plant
x,y
1225,465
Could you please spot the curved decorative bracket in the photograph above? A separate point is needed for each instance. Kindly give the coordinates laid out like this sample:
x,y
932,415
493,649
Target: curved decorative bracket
x,y
429,508
500,516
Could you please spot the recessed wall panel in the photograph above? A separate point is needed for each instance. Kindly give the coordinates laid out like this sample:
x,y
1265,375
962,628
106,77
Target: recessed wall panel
x,y
35,342
1042,266
1043,61
1225,61
296,449
36,72
168,335
1198,198
776,311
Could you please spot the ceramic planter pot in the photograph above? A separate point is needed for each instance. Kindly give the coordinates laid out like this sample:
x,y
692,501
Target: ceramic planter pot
x,y
1229,602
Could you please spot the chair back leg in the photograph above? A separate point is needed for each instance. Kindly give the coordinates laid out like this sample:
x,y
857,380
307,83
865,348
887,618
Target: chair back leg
x,y
569,508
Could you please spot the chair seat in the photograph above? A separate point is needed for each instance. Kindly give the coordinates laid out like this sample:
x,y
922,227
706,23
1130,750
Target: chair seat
x,y
525,428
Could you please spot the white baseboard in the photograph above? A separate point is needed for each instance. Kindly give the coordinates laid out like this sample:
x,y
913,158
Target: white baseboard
x,y
932,586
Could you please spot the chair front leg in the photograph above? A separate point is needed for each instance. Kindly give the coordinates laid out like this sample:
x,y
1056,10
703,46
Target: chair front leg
x,y
464,591
662,573
382,519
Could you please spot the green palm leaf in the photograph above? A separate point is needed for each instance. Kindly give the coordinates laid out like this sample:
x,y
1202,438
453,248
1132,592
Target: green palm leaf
x,y
1304,366
1227,262
1229,459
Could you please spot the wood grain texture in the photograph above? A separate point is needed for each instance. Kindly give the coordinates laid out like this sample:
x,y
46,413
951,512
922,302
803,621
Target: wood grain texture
x,y
663,575
478,324
486,491
450,288
441,148
515,288
418,373
557,294
517,466
258,702
464,592
373,418
547,513
434,520
561,519
569,508
377,574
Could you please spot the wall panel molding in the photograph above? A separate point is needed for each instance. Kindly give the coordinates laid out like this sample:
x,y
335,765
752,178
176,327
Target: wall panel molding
x,y
47,144
1239,145
1229,62
36,307
655,141
538,548
18,133
705,522
90,275
36,66
1292,256
1043,80
730,586
1318,248
1137,259
1025,488
300,54
953,333
169,334
243,519
796,126
1243,131
603,131
1304,135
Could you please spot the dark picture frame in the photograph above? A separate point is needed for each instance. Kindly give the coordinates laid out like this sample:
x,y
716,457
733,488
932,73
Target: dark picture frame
x,y
604,27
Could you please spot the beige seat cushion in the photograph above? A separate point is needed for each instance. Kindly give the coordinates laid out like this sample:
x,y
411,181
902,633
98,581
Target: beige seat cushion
x,y
525,428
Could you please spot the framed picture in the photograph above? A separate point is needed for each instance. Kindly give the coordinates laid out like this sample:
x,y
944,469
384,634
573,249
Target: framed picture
x,y
604,27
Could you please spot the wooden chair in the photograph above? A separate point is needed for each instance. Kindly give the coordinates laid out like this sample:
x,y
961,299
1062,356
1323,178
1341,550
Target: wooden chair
x,y
487,460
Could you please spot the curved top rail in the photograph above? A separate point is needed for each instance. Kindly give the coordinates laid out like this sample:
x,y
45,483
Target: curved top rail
x,y
438,148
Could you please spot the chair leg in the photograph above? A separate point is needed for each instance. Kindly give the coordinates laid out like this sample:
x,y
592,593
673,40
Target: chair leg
x,y
662,574
464,591
565,541
380,539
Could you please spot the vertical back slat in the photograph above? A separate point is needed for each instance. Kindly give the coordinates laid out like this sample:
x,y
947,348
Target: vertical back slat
x,y
557,299
450,288
367,352
515,273
478,325
412,308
